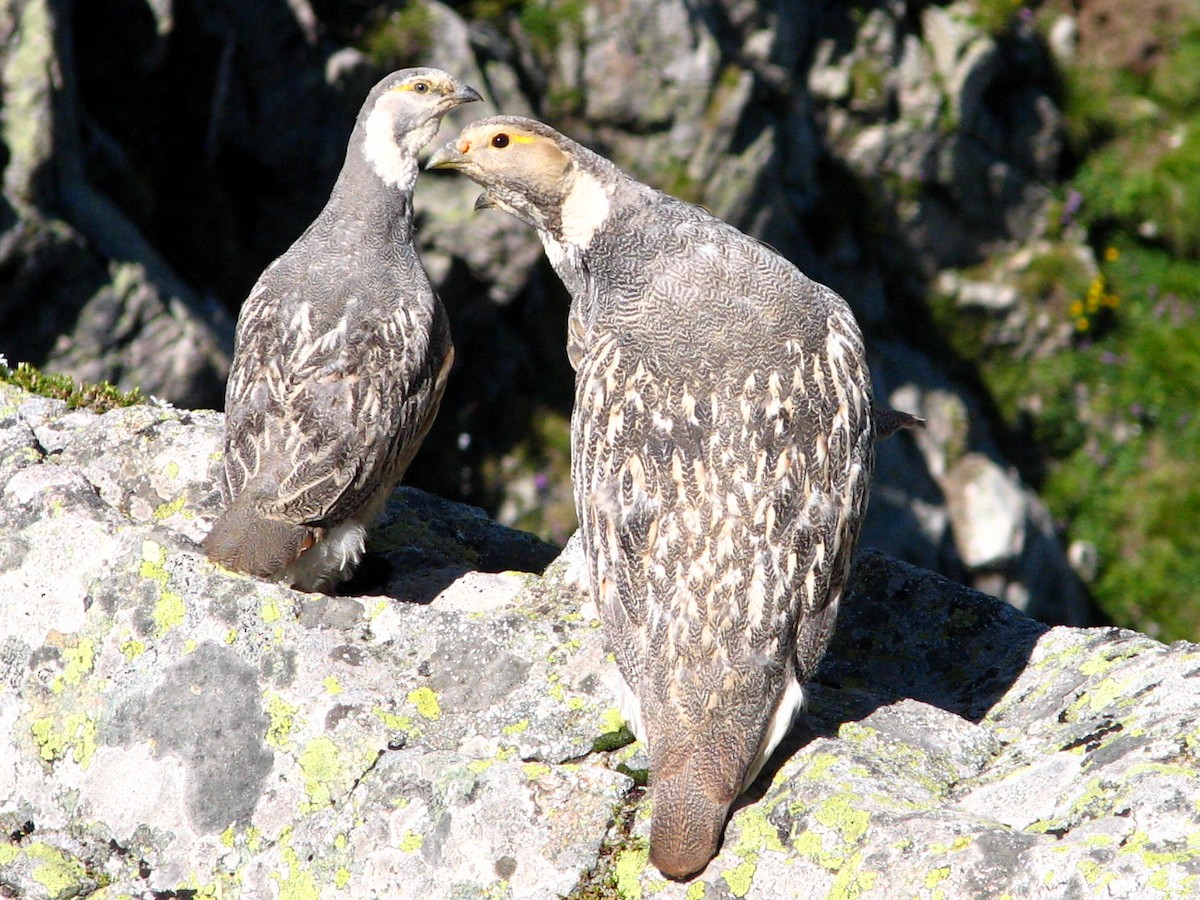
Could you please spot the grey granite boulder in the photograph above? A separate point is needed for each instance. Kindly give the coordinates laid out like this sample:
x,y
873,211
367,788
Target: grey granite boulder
x,y
447,728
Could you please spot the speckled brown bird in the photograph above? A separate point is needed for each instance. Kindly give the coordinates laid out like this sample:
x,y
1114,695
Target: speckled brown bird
x,y
722,445
341,357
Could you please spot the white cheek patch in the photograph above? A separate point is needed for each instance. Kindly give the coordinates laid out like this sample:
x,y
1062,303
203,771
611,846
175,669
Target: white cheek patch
x,y
390,163
584,210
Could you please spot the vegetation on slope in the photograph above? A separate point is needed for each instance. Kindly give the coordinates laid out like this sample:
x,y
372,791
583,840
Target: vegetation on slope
x,y
1114,412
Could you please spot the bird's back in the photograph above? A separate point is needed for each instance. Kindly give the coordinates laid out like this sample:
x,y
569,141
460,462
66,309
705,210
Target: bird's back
x,y
722,451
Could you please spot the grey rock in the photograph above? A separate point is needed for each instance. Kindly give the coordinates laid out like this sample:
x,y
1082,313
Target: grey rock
x,y
84,292
450,731
987,511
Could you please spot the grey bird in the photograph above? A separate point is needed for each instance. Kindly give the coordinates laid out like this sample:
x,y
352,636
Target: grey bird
x,y
722,443
341,357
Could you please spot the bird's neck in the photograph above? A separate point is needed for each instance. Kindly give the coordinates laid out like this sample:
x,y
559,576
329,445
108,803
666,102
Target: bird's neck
x,y
362,194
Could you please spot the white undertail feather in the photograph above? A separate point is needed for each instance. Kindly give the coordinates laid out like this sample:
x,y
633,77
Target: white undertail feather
x,y
630,708
789,705
329,560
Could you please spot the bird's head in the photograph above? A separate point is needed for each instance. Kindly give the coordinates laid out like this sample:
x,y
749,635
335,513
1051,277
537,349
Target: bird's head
x,y
401,115
525,168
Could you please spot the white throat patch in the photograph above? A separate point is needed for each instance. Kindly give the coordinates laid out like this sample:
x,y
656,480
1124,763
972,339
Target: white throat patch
x,y
584,210
379,146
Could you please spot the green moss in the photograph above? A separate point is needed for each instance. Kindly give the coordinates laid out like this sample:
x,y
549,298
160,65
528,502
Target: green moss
x,y
78,395
547,22
996,16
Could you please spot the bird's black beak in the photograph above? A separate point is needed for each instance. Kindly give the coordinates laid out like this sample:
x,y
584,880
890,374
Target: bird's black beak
x,y
447,157
465,94
484,201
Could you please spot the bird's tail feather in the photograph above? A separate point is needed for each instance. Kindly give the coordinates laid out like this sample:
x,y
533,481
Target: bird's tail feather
x,y
690,808
244,540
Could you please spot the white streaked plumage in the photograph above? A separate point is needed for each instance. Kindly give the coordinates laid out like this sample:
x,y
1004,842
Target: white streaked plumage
x,y
722,441
342,354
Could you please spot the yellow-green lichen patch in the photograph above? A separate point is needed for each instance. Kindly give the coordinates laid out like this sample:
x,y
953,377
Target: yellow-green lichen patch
x,y
628,866
811,845
55,735
756,833
426,702
695,891
333,687
817,766
281,722
77,662
166,510
934,877
1094,874
295,883
841,813
168,612
341,878
856,732
411,842
393,722
479,766
231,636
1108,692
270,612
516,727
154,555
851,882
171,470
320,762
132,649
741,876
535,770
58,873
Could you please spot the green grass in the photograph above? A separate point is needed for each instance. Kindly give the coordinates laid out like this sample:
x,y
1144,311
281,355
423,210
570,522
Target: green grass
x,y
96,397
1127,480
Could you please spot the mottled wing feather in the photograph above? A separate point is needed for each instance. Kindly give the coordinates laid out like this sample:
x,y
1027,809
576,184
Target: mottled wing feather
x,y
320,408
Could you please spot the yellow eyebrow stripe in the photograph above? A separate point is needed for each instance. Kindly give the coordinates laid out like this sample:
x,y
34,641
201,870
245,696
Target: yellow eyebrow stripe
x,y
523,138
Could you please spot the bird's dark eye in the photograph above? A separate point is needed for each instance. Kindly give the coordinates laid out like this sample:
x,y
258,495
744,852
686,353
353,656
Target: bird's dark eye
x,y
500,141
421,87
